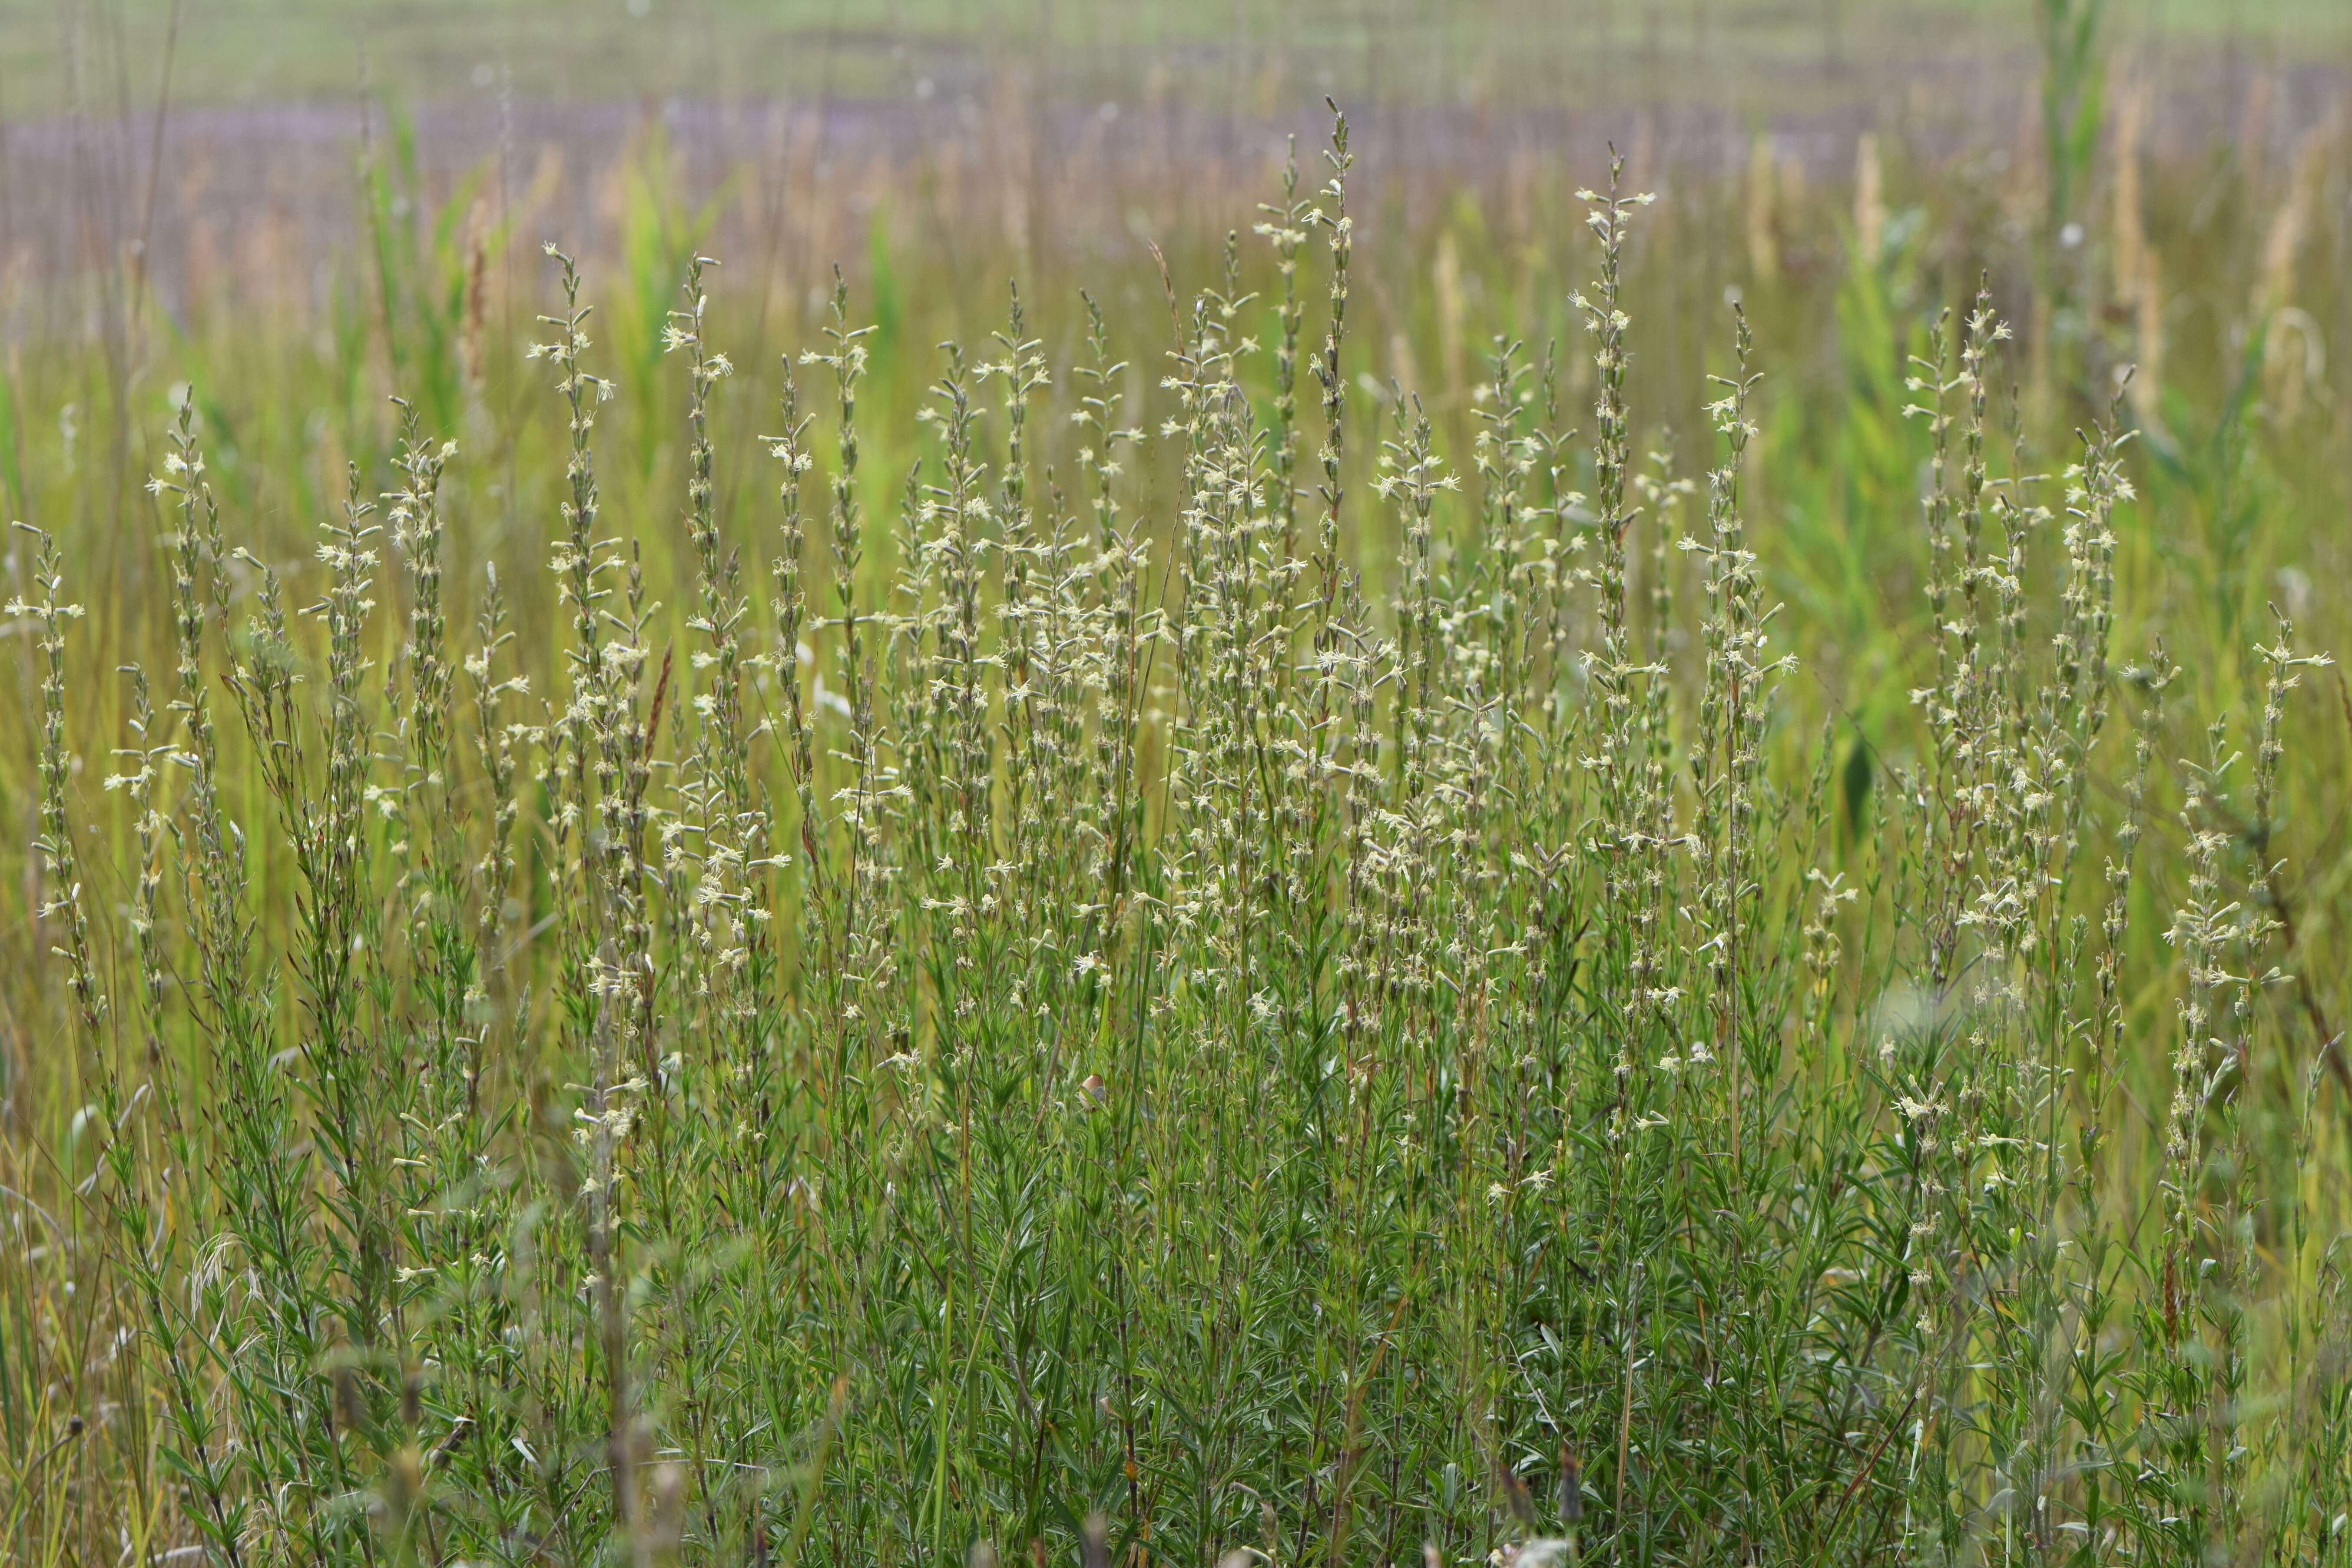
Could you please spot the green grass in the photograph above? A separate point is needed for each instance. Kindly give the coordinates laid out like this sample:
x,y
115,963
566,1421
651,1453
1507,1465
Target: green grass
x,y
1514,53
1127,941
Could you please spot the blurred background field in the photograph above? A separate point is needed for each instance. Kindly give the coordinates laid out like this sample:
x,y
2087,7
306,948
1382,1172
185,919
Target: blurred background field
x,y
1076,116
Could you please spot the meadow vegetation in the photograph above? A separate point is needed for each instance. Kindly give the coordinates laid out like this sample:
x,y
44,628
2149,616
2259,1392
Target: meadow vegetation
x,y
1716,935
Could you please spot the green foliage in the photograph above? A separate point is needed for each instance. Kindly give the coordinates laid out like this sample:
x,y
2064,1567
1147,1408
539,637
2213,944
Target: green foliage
x,y
658,234
2073,90
963,987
